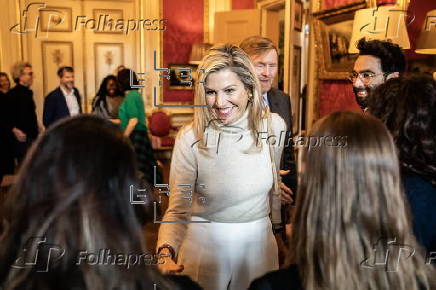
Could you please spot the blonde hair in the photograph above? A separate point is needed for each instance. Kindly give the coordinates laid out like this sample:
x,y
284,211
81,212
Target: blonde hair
x,y
18,70
230,57
349,198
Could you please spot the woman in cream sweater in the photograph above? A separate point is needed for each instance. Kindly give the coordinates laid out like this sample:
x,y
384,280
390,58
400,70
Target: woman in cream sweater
x,y
224,186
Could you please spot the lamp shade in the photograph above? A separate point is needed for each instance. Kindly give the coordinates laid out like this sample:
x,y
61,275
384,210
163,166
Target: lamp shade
x,y
387,23
426,43
198,51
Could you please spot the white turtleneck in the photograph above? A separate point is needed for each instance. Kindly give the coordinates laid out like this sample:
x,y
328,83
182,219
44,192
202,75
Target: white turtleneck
x,y
228,184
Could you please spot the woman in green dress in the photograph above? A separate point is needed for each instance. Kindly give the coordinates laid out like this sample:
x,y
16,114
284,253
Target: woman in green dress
x,y
133,123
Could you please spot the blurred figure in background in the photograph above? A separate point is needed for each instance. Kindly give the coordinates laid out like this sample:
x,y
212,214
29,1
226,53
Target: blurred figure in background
x,y
64,101
351,215
21,110
133,124
6,136
108,99
264,56
407,106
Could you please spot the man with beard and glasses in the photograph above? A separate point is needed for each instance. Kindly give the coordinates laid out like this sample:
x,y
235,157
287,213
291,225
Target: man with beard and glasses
x,y
64,101
377,62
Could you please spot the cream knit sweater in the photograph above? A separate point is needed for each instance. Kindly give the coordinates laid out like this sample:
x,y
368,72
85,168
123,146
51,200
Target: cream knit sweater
x,y
227,184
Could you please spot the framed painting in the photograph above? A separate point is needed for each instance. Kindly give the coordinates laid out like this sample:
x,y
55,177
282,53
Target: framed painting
x,y
54,55
333,29
182,76
108,56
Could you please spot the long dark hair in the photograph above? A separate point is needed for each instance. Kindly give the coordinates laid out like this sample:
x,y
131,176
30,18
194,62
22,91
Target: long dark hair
x,y
350,198
102,92
73,191
407,106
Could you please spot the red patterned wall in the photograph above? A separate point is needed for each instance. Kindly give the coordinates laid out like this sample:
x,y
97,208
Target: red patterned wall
x,y
243,4
185,27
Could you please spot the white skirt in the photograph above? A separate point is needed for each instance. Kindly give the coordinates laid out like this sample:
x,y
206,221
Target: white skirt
x,y
221,256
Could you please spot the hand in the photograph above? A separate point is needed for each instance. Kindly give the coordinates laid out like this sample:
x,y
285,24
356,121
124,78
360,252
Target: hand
x,y
168,266
286,192
116,121
20,135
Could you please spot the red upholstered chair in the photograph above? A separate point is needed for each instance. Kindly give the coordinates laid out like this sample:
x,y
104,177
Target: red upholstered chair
x,y
160,126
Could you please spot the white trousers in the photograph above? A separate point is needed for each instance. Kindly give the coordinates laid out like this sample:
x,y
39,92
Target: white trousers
x,y
221,256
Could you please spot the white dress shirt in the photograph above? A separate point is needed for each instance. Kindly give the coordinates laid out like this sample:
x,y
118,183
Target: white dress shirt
x,y
71,100
265,98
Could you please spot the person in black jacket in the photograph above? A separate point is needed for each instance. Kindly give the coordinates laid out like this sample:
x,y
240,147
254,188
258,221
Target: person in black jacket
x,y
64,101
20,116
352,228
264,56
6,137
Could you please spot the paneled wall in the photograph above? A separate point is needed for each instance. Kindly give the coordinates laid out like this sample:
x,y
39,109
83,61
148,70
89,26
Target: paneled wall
x,y
72,32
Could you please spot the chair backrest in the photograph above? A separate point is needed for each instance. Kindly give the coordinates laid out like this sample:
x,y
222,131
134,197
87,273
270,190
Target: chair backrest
x,y
160,124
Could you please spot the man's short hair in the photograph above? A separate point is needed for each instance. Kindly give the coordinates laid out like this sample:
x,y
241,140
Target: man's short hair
x,y
257,45
391,55
18,70
64,69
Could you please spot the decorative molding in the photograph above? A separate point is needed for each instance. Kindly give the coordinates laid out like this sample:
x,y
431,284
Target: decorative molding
x,y
109,60
59,59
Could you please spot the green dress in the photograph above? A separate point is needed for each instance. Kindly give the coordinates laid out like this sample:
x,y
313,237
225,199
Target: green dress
x,y
133,107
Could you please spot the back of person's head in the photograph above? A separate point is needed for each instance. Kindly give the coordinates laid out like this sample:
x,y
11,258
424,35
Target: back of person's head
x,y
407,106
18,70
127,80
391,55
72,193
350,202
257,45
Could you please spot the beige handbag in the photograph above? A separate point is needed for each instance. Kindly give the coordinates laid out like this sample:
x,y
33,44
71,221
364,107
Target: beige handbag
x,y
275,209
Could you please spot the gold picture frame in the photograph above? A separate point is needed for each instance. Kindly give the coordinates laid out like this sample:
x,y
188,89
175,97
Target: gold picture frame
x,y
54,55
333,29
108,56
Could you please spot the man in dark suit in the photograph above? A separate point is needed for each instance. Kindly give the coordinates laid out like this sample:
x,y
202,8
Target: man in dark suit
x,y
64,101
19,116
264,56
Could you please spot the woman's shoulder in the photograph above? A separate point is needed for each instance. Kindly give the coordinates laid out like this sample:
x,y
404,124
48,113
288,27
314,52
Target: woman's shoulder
x,y
186,133
284,279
